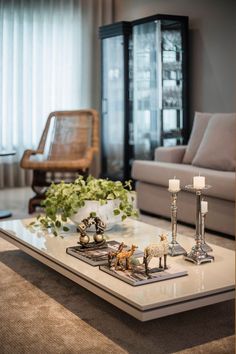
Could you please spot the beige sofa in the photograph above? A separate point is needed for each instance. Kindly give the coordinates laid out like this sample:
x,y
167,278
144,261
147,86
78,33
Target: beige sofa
x,y
184,162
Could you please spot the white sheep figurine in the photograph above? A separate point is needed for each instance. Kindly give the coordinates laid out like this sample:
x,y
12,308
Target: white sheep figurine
x,y
156,250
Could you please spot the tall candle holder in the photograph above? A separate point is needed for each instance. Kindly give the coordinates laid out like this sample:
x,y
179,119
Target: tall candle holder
x,y
204,245
175,249
197,255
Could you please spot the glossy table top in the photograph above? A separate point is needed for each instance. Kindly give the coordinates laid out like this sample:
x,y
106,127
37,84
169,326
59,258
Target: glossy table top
x,y
202,280
7,153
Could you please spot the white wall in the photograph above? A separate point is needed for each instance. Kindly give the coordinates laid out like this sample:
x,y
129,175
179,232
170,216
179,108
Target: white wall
x,y
212,41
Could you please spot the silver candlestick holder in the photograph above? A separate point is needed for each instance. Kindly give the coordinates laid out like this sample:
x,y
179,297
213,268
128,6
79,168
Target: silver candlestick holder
x,y
197,255
204,245
175,249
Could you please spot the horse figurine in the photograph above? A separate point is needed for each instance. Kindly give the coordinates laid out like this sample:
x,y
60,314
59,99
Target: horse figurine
x,y
124,255
156,250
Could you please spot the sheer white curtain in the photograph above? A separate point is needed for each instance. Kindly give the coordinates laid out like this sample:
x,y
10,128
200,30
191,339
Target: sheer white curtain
x,y
48,61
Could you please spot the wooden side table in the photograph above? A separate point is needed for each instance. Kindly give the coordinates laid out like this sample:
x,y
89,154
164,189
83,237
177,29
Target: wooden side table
x,y
5,213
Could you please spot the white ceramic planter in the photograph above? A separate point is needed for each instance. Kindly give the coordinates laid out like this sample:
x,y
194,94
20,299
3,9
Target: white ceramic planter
x,y
104,212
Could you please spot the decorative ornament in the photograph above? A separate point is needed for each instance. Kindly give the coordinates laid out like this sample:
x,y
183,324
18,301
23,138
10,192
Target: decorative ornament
x,y
157,250
98,237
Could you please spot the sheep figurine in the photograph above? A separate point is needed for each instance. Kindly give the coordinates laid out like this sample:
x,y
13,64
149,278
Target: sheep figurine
x,y
156,250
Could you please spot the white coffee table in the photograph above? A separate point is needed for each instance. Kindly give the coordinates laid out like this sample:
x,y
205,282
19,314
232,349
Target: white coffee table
x,y
205,284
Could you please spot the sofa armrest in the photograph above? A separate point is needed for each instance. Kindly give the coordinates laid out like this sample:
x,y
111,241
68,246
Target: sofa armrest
x,y
173,154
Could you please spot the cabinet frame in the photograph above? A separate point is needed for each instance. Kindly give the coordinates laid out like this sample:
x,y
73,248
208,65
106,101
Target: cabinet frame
x,y
125,29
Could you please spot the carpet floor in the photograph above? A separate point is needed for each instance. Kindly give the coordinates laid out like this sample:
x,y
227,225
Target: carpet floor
x,y
44,312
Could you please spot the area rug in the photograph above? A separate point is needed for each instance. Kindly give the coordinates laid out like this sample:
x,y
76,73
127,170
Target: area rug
x,y
44,312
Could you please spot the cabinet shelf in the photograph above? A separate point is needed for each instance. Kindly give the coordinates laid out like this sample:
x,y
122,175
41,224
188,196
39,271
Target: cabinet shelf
x,y
173,51
172,134
170,108
172,79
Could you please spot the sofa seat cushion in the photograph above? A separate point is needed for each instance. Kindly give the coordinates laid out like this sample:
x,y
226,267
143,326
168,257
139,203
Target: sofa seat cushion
x,y
159,173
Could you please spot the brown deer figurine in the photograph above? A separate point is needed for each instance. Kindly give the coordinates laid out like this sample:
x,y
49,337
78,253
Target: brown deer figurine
x,y
124,255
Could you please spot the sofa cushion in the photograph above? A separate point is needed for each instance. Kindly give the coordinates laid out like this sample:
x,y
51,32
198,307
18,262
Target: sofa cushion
x,y
200,123
170,153
159,173
217,148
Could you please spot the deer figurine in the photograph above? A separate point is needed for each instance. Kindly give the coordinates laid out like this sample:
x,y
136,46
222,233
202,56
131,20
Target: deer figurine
x,y
113,254
124,255
156,250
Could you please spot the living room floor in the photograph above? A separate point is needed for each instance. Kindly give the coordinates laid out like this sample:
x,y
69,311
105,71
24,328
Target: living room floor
x,y
41,311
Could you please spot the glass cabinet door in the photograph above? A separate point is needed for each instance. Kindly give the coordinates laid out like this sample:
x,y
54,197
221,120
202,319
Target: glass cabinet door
x,y
113,106
172,83
157,86
146,89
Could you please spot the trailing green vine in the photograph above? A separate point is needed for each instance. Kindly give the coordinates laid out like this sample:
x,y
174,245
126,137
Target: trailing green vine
x,y
64,199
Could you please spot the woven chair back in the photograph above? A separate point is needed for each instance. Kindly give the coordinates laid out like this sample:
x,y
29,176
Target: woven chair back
x,y
69,134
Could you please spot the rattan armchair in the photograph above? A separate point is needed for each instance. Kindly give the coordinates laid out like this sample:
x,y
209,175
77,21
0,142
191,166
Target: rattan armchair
x,y
68,144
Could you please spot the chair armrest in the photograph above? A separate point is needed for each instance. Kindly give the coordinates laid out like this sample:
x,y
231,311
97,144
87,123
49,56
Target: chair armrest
x,y
172,154
26,157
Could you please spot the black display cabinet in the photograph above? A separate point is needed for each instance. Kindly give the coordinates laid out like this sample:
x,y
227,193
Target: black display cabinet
x,y
144,90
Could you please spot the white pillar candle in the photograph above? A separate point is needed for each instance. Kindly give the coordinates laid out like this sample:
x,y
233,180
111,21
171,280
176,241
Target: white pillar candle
x,y
198,182
204,206
174,185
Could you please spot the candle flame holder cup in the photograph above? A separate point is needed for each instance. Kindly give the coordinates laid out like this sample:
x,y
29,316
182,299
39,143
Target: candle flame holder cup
x,y
175,249
197,254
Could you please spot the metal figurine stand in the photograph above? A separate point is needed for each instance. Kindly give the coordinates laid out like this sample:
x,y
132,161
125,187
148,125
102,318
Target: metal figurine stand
x,y
197,255
205,246
175,249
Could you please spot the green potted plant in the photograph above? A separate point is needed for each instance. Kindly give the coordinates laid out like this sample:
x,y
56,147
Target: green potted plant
x,y
109,200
